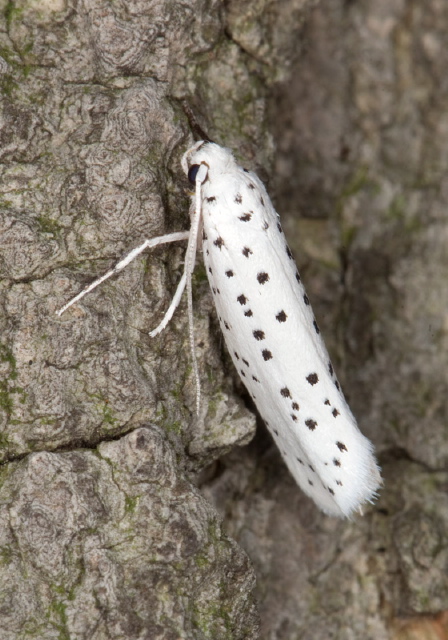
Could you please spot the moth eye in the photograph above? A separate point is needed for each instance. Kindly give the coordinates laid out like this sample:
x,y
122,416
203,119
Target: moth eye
x,y
192,172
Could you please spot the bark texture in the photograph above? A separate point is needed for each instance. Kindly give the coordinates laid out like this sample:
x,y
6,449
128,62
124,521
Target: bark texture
x,y
116,543
103,533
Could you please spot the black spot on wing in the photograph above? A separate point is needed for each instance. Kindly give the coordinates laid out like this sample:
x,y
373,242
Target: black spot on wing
x,y
288,253
248,313
211,199
306,300
316,327
285,392
247,252
313,379
335,413
295,406
336,462
298,278
330,368
238,198
281,316
242,299
230,273
267,355
341,446
262,277
311,424
219,242
258,334
245,217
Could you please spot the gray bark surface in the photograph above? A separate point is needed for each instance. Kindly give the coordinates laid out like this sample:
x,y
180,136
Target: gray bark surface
x,y
103,533
116,543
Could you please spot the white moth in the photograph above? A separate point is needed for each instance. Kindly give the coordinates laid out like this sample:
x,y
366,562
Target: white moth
x,y
270,330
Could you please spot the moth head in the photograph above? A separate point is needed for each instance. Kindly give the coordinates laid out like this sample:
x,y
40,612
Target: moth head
x,y
212,157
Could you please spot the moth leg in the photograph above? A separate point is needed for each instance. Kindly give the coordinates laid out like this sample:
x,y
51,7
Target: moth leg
x,y
172,308
152,242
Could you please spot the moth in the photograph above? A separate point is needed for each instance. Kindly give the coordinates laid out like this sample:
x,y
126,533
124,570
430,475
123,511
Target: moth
x,y
269,329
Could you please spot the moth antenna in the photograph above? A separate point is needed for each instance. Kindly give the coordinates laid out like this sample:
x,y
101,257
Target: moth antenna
x,y
193,121
190,259
172,308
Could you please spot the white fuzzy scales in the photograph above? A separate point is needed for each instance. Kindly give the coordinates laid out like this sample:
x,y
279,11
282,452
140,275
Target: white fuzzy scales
x,y
270,330
273,337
